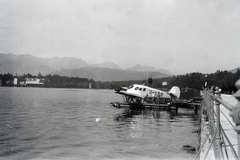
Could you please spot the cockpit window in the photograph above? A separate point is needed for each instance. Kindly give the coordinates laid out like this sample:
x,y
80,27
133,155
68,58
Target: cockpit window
x,y
130,87
136,88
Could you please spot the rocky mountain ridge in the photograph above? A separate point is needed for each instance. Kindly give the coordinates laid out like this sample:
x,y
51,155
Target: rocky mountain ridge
x,y
74,67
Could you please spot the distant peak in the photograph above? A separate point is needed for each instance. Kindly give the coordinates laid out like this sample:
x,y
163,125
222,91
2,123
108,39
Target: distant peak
x,y
139,67
107,65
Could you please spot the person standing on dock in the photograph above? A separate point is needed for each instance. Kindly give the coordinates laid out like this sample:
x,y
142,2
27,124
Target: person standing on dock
x,y
146,98
218,91
154,97
158,98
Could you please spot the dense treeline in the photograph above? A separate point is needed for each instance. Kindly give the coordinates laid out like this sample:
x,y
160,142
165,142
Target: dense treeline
x,y
68,82
223,79
6,79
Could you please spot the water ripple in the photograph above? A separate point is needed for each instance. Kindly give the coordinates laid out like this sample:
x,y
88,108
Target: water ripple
x,y
38,123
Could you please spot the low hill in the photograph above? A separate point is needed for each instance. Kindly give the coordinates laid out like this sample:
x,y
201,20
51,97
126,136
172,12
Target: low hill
x,y
235,70
141,68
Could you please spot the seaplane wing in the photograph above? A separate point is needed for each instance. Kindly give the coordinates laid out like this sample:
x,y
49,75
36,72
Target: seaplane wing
x,y
139,93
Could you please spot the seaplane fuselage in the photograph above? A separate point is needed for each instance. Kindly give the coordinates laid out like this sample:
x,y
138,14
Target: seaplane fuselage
x,y
142,92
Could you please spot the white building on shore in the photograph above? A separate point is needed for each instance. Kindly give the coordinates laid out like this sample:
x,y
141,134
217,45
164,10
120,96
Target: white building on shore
x,y
34,81
15,81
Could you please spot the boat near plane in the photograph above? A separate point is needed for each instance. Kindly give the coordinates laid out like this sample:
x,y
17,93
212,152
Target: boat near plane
x,y
141,94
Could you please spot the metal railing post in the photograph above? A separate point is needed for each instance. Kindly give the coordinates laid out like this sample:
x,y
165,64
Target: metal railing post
x,y
218,133
212,115
235,113
212,104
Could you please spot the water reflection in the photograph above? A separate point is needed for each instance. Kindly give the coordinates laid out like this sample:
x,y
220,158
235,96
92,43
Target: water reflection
x,y
140,122
144,121
129,113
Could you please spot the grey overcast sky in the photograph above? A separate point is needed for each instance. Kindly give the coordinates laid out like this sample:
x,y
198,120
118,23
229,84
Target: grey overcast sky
x,y
182,36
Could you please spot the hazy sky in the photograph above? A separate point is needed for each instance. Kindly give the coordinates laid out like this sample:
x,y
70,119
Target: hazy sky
x,y
181,36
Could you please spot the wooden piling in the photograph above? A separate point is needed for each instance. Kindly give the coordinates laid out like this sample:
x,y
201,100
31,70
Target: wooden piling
x,y
176,111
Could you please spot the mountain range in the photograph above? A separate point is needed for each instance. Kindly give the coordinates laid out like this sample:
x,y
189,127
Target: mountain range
x,y
74,67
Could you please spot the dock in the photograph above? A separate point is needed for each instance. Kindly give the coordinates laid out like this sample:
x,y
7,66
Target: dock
x,y
145,105
219,133
163,106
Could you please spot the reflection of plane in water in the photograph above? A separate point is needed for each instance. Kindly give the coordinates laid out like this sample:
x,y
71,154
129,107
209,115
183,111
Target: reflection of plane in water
x,y
139,94
131,113
133,122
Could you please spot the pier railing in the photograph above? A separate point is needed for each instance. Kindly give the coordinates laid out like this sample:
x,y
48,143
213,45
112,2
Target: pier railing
x,y
219,141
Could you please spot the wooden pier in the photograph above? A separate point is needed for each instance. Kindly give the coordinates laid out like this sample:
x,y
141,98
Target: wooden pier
x,y
163,106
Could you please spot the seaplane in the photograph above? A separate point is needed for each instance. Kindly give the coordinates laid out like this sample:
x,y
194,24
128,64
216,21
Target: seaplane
x,y
139,94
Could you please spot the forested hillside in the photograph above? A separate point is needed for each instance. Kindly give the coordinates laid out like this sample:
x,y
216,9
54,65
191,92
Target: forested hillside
x,y
223,79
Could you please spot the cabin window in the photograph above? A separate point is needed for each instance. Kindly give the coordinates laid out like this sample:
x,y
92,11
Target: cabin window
x,y
136,88
144,89
150,92
140,89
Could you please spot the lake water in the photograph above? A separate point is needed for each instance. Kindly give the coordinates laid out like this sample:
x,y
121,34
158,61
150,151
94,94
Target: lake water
x,y
42,123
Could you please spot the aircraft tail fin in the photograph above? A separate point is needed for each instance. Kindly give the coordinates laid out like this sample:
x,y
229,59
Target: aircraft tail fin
x,y
175,91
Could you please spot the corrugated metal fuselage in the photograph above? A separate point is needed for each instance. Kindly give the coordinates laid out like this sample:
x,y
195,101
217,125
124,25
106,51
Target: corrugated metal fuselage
x,y
142,91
